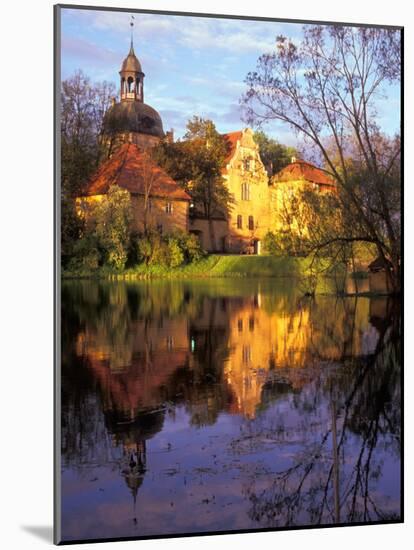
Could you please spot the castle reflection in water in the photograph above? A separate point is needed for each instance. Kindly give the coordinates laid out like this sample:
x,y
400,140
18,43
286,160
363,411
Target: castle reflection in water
x,y
143,342
167,360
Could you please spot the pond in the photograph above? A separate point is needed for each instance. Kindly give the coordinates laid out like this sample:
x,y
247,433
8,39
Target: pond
x,y
226,404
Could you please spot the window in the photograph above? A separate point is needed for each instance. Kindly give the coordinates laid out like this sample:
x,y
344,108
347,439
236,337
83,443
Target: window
x,y
245,191
251,223
159,228
239,222
169,207
240,325
251,324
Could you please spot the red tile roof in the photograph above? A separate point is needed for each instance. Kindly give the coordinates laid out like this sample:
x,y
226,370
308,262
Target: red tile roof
x,y
301,170
129,167
231,140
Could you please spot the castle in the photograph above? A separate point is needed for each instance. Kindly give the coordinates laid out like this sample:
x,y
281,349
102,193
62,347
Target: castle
x,y
131,128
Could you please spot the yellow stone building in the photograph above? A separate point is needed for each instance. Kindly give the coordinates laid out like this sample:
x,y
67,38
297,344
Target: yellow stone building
x,y
158,202
258,202
247,222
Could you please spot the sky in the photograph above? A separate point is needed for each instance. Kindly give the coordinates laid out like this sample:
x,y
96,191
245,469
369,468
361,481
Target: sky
x,y
192,65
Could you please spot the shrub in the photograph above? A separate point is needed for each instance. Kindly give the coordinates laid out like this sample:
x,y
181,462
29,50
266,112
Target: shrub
x,y
85,254
109,221
271,244
175,252
169,250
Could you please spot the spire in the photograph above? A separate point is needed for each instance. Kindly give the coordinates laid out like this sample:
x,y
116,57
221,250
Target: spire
x,y
131,24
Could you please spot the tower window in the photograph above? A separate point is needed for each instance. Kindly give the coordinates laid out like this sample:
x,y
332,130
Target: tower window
x,y
130,84
239,222
251,223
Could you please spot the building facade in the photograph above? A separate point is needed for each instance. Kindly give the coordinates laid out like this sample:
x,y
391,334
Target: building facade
x,y
158,202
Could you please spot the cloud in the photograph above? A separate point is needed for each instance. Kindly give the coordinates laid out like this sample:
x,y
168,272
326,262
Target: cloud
x,y
84,50
197,33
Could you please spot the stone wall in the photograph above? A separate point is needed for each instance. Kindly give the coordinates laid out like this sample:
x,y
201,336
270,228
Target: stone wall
x,y
201,228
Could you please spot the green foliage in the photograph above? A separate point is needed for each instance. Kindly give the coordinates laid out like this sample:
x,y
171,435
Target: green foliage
x,y
169,250
72,227
274,155
111,219
83,107
271,245
105,238
196,164
284,243
85,254
175,253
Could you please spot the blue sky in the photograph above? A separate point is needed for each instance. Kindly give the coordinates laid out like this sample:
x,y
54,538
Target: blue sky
x,y
192,65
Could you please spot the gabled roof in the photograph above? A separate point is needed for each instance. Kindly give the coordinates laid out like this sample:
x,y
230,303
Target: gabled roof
x,y
134,170
301,170
231,139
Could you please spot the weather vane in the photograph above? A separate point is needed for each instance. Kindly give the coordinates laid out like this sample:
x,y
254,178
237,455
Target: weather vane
x,y
131,23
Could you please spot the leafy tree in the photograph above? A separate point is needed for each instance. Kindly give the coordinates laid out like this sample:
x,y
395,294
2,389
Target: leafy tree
x,y
82,108
196,164
326,89
274,155
109,223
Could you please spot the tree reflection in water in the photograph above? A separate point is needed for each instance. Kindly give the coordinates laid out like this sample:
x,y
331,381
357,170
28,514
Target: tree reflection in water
x,y
314,386
334,476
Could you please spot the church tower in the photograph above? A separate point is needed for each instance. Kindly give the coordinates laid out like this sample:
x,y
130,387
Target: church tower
x,y
132,77
130,120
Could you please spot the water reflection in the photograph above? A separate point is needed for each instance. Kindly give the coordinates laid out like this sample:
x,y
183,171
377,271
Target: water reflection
x,y
226,405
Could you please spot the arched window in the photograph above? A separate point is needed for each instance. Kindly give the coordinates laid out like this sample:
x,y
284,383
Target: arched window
x,y
130,83
251,223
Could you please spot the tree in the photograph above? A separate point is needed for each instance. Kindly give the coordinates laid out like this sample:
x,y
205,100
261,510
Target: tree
x,y
82,108
274,155
326,88
196,164
110,223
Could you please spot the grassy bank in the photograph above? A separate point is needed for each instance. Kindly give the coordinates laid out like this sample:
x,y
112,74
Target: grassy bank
x,y
214,265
